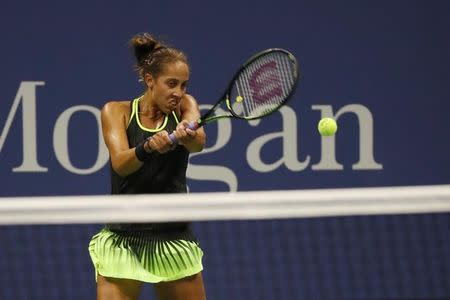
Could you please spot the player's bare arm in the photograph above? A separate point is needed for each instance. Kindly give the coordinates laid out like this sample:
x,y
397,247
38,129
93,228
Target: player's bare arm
x,y
193,140
114,117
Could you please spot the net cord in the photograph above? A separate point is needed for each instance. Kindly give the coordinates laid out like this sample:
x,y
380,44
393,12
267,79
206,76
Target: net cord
x,y
224,206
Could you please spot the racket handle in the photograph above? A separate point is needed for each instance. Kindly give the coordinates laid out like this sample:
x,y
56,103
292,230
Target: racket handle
x,y
173,138
193,125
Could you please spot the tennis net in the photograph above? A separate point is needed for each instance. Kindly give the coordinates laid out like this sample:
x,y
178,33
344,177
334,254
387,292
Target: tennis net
x,y
361,243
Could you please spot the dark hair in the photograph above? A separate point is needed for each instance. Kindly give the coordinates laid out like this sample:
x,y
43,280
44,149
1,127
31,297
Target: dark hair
x,y
151,55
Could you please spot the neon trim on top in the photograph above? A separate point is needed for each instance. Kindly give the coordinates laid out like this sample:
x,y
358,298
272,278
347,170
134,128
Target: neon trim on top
x,y
135,109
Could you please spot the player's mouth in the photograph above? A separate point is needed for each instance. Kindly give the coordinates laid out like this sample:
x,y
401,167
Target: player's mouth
x,y
173,102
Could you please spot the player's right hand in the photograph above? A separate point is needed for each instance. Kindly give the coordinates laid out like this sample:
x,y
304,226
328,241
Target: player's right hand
x,y
160,142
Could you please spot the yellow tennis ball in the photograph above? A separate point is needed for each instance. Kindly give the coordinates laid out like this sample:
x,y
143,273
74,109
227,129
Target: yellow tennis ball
x,y
327,127
239,99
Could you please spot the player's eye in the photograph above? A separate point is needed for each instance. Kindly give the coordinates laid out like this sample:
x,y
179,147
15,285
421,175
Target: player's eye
x,y
172,83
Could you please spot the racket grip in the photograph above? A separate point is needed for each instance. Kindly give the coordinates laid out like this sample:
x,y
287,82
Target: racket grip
x,y
193,125
173,138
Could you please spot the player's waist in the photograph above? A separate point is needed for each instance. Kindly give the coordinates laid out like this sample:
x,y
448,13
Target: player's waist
x,y
150,227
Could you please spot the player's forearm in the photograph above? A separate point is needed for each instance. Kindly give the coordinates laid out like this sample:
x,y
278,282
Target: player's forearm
x,y
126,162
196,144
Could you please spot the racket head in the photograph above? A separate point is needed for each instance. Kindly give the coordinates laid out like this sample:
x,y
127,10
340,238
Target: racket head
x,y
263,84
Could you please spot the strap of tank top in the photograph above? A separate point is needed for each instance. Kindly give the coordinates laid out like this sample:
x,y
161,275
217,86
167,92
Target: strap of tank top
x,y
133,110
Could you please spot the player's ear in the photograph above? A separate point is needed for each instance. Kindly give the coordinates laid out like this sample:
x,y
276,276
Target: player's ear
x,y
149,80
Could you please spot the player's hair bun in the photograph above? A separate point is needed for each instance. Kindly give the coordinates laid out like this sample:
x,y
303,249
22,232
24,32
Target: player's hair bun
x,y
151,55
143,46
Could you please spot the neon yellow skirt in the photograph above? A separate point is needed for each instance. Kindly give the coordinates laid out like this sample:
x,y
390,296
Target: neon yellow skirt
x,y
143,256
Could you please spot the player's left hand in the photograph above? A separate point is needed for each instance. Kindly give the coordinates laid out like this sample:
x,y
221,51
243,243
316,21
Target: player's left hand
x,y
183,134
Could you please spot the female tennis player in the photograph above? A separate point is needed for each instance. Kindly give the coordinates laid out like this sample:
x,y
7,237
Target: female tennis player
x,y
144,161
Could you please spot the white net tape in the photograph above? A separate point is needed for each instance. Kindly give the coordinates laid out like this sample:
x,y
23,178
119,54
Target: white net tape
x,y
225,206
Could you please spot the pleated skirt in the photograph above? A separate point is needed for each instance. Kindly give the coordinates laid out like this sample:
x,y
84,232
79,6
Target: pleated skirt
x,y
144,255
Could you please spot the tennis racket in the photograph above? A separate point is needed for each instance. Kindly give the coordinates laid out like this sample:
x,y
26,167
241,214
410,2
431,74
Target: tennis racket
x,y
260,87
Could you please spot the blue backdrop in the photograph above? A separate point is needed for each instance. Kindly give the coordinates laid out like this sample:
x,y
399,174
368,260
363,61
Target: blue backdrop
x,y
381,68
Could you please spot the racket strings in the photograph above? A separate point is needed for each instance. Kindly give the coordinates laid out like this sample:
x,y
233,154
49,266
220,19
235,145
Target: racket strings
x,y
264,85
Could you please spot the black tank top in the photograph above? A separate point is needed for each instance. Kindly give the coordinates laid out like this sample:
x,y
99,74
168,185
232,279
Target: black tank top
x,y
161,173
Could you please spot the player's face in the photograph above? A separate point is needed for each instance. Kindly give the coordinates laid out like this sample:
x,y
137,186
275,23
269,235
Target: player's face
x,y
170,86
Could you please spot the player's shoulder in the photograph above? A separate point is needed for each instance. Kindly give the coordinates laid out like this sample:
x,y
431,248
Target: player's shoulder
x,y
116,110
116,106
189,97
188,101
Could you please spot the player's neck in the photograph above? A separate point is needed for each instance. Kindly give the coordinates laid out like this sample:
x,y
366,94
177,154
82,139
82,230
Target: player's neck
x,y
148,108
